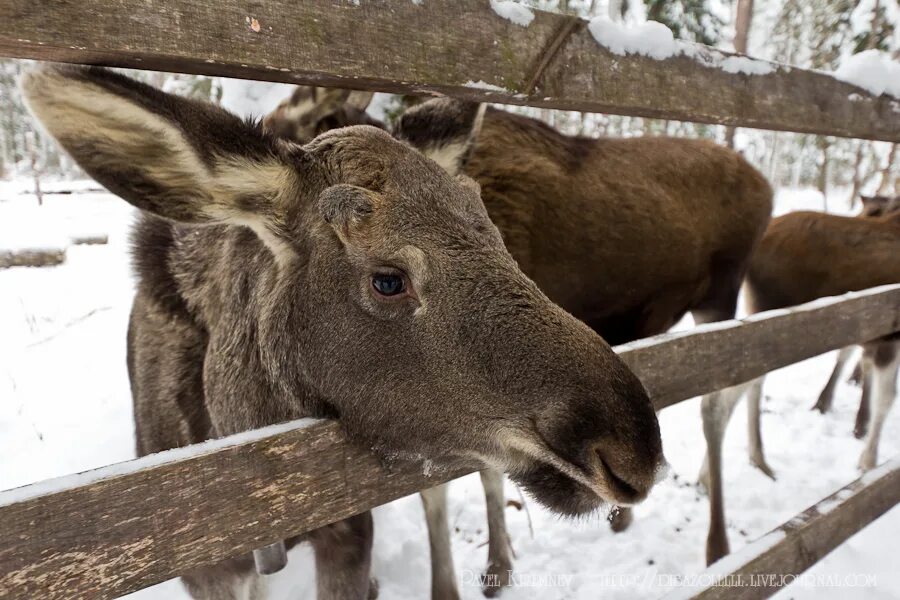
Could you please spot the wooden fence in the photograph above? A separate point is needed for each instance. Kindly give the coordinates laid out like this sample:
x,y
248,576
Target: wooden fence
x,y
121,528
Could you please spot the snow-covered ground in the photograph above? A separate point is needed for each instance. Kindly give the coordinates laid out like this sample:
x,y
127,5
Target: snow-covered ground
x,y
65,407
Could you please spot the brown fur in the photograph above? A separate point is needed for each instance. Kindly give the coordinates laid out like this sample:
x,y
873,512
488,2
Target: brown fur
x,y
626,234
255,305
809,255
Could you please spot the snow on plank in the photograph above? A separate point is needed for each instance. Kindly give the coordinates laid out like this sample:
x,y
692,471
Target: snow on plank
x,y
522,57
124,527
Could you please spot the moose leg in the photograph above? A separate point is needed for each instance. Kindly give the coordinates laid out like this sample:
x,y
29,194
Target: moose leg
x,y
754,435
716,409
443,575
234,579
500,556
861,427
343,552
856,375
823,404
886,362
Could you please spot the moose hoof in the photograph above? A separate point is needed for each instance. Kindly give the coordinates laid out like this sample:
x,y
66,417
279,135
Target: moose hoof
x,y
620,519
373,589
867,462
760,463
496,577
860,431
822,406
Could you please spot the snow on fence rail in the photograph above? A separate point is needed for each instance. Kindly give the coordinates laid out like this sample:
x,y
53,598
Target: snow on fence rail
x,y
124,527
456,47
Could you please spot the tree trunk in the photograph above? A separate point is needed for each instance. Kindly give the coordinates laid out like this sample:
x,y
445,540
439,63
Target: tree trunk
x,y
742,18
823,171
886,171
857,176
30,147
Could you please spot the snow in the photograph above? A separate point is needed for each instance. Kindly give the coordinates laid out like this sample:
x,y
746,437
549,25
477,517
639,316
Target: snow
x,y
253,98
655,40
873,70
649,38
748,66
24,224
65,407
482,85
513,11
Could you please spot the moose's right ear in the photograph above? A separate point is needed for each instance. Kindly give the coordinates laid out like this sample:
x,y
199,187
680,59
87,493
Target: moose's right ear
x,y
181,159
297,118
443,129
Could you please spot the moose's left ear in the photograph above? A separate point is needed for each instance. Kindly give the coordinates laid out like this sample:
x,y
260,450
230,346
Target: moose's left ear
x,y
443,129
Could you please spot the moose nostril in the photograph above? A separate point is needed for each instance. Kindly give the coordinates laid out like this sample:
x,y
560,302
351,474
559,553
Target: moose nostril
x,y
616,478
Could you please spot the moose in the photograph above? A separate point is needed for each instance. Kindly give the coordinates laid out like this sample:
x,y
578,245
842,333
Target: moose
x,y
626,234
808,255
872,206
352,278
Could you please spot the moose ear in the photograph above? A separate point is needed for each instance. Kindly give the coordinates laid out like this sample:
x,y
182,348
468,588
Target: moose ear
x,y
360,100
180,159
443,129
297,118
873,206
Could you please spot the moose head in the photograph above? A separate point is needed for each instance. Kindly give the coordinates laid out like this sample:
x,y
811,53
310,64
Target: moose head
x,y
354,277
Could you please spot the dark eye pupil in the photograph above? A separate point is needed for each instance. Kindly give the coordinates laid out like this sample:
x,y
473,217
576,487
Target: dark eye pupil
x,y
387,285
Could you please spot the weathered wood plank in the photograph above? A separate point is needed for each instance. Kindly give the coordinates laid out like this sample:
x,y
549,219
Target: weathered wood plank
x,y
456,47
682,365
121,528
759,569
132,525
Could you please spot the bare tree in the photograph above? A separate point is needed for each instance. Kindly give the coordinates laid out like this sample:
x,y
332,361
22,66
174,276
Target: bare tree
x,y
886,171
742,18
31,148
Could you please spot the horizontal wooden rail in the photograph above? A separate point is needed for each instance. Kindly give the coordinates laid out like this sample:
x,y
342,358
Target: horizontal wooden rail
x,y
120,528
677,366
759,569
456,47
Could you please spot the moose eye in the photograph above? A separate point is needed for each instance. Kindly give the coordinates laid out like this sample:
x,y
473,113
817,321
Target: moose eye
x,y
388,285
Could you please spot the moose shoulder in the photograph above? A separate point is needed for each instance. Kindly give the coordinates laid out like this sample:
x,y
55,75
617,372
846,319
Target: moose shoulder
x,y
349,277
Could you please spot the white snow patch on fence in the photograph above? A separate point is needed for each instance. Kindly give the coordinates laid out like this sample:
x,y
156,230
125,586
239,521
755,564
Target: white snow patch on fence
x,y
746,65
655,40
650,38
483,85
872,70
513,11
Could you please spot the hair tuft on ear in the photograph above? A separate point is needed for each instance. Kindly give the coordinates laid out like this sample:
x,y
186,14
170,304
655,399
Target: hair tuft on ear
x,y
177,158
443,129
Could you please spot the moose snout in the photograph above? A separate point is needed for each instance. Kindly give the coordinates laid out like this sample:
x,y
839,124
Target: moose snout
x,y
625,447
628,476
608,437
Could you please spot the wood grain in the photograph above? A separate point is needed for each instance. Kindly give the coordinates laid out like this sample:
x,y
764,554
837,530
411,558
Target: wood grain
x,y
677,366
125,527
761,568
438,46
